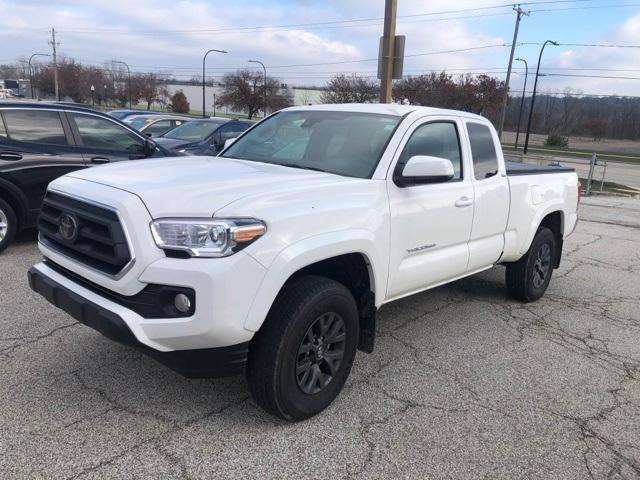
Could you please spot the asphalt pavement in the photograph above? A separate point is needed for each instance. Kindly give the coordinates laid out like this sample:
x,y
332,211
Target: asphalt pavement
x,y
464,383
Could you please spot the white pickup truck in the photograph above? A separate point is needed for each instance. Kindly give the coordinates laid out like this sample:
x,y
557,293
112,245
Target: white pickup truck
x,y
274,257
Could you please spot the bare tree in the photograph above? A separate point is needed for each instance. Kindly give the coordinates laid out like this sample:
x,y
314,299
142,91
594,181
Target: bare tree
x,y
244,91
353,88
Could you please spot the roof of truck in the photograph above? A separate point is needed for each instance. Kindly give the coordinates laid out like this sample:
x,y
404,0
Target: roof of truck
x,y
384,108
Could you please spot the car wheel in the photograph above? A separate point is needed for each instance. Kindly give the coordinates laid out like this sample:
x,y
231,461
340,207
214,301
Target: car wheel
x,y
301,357
8,224
528,278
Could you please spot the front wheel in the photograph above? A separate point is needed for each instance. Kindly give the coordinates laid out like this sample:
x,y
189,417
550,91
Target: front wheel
x,y
302,356
528,278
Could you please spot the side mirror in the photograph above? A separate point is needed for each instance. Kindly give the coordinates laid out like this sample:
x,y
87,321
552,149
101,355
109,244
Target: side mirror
x,y
149,147
421,169
229,141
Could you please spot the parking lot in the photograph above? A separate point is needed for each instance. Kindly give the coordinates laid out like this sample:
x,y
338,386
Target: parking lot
x,y
464,383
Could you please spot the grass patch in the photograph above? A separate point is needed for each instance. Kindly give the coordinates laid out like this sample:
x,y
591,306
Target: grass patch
x,y
610,187
574,153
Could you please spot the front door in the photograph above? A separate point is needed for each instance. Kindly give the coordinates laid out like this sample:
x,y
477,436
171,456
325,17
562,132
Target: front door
x,y
430,223
104,141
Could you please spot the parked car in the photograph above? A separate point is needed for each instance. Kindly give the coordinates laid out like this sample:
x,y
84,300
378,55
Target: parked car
x,y
203,137
274,258
155,125
122,114
42,141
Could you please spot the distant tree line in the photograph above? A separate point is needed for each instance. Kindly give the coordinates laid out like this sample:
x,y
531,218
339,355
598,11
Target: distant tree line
x,y
565,114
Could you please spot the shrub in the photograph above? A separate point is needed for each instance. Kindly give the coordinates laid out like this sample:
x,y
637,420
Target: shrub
x,y
556,140
179,102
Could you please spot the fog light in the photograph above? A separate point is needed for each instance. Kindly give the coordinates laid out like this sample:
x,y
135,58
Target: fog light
x,y
182,303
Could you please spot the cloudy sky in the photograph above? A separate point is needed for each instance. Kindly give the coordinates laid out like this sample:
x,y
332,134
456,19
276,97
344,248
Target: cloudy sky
x,y
305,41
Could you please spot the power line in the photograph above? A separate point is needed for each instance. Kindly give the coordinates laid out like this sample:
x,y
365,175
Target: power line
x,y
314,24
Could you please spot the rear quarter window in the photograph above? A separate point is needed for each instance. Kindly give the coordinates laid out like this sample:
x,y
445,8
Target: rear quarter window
x,y
483,151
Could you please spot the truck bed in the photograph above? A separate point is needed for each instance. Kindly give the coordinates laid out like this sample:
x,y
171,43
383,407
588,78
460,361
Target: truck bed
x,y
514,168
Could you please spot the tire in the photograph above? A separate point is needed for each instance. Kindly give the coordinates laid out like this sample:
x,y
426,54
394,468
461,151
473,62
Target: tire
x,y
8,224
528,278
283,355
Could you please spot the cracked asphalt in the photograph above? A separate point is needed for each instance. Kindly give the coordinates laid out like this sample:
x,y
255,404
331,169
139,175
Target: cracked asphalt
x,y
464,383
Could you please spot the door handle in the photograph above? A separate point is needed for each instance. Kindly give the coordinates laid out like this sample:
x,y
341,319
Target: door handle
x,y
100,160
10,156
464,202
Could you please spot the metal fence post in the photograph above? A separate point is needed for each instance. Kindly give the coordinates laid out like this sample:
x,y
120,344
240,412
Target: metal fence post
x,y
590,177
604,173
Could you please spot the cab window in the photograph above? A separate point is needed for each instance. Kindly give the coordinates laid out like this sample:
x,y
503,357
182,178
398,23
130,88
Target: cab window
x,y
483,151
35,126
97,132
435,139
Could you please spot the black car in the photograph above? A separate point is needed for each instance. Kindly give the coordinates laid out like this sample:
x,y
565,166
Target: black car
x,y
40,142
202,137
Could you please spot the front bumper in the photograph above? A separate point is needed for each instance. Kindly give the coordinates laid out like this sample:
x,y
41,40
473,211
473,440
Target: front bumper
x,y
198,363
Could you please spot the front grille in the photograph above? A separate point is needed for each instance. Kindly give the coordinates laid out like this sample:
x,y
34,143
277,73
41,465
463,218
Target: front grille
x,y
87,233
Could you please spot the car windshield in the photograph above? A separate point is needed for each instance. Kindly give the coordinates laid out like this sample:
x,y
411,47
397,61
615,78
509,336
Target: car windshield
x,y
344,143
194,131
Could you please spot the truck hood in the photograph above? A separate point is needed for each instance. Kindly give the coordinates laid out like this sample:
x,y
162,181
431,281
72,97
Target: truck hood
x,y
199,186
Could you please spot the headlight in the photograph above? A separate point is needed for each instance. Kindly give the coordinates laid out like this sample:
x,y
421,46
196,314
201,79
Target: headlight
x,y
207,237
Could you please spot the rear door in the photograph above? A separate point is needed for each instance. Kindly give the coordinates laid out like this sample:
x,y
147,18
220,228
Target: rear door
x,y
104,141
36,149
491,188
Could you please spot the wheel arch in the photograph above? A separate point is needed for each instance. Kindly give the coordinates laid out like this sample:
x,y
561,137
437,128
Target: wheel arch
x,y
354,262
15,198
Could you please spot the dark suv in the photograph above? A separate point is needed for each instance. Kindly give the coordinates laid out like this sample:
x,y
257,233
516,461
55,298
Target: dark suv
x,y
40,142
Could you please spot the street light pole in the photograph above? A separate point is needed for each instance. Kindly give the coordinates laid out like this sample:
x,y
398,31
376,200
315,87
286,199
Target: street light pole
x,y
204,60
31,71
533,96
265,83
128,73
524,91
93,91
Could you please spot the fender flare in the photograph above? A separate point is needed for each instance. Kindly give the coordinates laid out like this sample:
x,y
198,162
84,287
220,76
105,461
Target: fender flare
x,y
551,207
307,252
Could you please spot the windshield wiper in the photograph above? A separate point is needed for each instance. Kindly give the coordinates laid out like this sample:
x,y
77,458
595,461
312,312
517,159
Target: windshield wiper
x,y
303,167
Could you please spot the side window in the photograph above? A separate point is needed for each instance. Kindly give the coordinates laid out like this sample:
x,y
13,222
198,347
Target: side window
x,y
97,132
436,139
483,151
158,128
35,126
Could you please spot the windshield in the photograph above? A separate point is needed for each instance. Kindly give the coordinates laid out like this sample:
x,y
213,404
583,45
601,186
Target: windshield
x,y
345,143
194,131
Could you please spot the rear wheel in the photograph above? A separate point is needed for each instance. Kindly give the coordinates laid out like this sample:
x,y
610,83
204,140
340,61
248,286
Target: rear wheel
x,y
8,224
528,278
300,359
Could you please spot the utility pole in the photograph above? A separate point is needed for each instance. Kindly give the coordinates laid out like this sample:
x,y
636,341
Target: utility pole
x,y
388,49
505,97
54,44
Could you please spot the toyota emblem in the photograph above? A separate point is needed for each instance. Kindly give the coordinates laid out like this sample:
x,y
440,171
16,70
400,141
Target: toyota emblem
x,y
68,227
